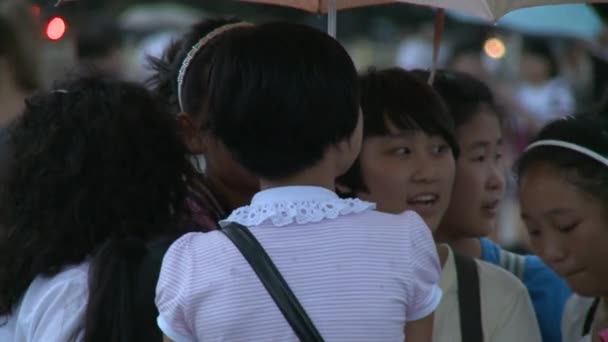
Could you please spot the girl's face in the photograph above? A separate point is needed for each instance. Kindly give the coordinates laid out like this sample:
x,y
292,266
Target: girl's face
x,y
408,170
480,178
568,228
534,69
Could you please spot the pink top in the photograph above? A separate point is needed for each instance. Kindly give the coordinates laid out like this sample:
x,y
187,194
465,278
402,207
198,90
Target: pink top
x,y
360,274
604,335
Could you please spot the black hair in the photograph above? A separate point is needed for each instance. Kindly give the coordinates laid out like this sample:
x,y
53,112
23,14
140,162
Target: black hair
x,y
278,95
98,38
463,94
396,96
18,41
539,47
166,69
586,173
98,170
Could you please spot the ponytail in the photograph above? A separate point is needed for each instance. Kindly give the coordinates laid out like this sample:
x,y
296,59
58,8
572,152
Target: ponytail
x,y
112,287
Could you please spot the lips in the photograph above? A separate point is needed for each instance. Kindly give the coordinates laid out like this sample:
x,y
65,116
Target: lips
x,y
490,208
425,204
426,199
571,273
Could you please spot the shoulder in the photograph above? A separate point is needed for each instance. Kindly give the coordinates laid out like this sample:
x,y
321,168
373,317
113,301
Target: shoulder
x,y
496,280
575,314
53,307
72,281
408,220
194,250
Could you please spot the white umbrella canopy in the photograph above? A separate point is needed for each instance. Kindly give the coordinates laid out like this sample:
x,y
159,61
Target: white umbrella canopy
x,y
490,10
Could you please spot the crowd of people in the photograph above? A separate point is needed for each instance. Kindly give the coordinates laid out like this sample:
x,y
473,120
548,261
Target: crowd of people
x,y
332,205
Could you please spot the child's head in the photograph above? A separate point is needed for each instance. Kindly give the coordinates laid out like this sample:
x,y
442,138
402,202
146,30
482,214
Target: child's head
x,y
480,178
93,160
409,147
282,97
188,96
538,61
563,179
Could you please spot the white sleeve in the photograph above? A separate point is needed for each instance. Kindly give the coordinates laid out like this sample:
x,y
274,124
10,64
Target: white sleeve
x,y
424,293
58,315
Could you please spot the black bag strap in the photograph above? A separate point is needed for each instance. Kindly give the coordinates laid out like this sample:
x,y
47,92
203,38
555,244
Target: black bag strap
x,y
274,283
469,299
590,316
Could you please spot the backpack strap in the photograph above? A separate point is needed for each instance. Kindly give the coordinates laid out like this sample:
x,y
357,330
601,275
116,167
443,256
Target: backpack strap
x,y
469,299
590,316
274,283
514,263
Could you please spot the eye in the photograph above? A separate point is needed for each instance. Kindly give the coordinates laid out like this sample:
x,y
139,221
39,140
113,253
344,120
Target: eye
x,y
567,228
478,159
402,151
441,149
534,233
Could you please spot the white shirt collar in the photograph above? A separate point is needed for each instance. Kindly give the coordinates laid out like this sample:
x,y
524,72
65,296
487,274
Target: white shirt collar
x,y
300,204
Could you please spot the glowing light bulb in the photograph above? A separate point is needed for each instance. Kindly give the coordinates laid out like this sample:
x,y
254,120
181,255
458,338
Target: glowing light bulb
x,y
495,48
56,28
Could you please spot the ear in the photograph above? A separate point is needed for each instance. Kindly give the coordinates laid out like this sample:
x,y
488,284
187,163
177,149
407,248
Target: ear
x,y
343,188
191,133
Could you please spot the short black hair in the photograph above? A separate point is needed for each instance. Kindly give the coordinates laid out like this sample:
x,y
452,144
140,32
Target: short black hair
x,y
396,96
95,162
587,174
463,93
279,94
98,38
166,68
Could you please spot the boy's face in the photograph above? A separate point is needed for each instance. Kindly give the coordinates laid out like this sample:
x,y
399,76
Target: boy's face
x,y
408,170
480,178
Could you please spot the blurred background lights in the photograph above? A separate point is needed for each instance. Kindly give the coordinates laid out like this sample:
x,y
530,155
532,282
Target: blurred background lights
x,y
55,29
495,48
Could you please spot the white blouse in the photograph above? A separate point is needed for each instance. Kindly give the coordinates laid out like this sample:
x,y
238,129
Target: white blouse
x,y
52,309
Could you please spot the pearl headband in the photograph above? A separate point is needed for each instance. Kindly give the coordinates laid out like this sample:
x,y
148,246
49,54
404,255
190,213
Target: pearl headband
x,y
195,49
570,146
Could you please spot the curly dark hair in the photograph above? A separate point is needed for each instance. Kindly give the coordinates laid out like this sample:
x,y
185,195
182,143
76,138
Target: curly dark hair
x,y
97,164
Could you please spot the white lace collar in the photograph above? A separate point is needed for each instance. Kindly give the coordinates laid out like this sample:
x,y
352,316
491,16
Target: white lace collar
x,y
299,204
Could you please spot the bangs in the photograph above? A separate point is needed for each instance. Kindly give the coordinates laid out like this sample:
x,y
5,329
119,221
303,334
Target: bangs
x,y
396,97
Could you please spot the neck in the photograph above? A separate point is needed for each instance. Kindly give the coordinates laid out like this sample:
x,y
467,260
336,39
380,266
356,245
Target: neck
x,y
322,175
462,245
443,253
230,196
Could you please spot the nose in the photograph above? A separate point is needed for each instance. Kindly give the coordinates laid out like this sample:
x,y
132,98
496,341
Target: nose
x,y
551,249
425,169
497,179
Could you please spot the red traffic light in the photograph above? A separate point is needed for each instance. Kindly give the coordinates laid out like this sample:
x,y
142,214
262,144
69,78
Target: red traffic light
x,y
56,28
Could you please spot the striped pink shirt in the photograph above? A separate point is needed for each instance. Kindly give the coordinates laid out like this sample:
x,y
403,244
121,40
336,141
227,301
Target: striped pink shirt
x,y
360,274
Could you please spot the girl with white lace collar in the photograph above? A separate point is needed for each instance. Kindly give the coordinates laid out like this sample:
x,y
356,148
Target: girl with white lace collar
x,y
292,117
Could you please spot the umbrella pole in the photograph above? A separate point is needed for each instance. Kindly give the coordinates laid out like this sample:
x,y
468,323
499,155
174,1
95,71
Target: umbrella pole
x,y
332,18
439,26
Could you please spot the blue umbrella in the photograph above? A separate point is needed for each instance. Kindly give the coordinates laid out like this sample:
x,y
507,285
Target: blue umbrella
x,y
570,20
